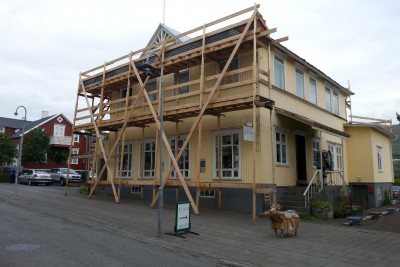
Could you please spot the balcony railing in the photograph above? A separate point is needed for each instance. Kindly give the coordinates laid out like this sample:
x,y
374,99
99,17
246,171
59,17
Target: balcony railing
x,y
60,140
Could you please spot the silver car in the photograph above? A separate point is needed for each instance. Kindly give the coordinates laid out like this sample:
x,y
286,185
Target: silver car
x,y
59,175
34,177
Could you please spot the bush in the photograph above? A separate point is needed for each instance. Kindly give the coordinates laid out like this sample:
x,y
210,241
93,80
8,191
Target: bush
x,y
4,178
397,181
323,204
338,212
386,197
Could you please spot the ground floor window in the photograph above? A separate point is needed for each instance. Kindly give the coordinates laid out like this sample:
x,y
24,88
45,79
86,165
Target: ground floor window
x,y
316,148
147,159
227,155
337,153
281,143
184,161
207,193
126,171
136,189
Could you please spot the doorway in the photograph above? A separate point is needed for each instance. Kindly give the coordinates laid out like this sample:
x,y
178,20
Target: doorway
x,y
301,164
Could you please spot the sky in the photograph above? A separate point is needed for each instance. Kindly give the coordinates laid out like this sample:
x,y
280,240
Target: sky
x,y
44,44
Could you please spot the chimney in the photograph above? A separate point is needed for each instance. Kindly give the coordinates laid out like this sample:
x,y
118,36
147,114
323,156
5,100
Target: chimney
x,y
45,114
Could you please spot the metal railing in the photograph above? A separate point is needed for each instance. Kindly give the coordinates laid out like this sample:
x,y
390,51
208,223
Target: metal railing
x,y
315,185
336,179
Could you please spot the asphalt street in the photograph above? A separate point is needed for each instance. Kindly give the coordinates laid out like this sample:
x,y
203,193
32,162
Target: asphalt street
x,y
42,227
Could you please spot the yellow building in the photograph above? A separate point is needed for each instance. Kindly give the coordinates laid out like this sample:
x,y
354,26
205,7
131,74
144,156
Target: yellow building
x,y
243,116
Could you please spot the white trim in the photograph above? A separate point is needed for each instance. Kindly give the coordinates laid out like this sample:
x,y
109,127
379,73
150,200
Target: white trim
x,y
215,144
141,147
286,143
59,126
379,154
311,78
74,161
180,137
127,171
284,71
2,129
76,135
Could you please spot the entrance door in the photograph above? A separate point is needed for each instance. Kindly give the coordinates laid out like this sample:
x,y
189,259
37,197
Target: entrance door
x,y
301,165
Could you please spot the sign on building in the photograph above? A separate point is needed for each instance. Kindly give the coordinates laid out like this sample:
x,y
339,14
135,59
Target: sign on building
x,y
248,133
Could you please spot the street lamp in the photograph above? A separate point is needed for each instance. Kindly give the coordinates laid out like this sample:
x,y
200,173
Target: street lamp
x,y
147,70
20,150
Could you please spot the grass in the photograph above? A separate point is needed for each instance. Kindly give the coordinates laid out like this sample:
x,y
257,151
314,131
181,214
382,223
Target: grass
x,y
308,217
83,190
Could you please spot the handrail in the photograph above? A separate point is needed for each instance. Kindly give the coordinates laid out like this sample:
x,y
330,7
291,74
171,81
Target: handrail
x,y
335,178
312,186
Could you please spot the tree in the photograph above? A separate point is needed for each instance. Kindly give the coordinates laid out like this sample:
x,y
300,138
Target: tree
x,y
8,150
58,154
36,144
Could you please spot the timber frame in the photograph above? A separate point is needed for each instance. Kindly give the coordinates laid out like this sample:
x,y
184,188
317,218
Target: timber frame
x,y
100,113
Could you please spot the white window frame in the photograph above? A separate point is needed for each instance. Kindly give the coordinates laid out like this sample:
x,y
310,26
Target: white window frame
x,y
207,193
281,146
336,156
316,149
299,75
331,100
2,129
185,157
128,157
279,60
379,154
147,173
335,102
313,91
74,151
136,189
233,170
59,130
328,100
76,138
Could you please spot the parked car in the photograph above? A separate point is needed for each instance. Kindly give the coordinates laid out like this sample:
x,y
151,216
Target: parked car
x,y
34,177
395,191
59,175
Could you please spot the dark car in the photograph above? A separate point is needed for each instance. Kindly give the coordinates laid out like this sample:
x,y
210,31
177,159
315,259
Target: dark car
x,y
34,177
395,191
59,175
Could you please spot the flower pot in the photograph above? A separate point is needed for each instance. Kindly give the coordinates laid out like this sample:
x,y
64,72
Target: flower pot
x,y
393,202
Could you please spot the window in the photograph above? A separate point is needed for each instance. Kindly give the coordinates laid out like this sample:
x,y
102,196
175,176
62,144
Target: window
x,y
126,171
152,86
233,66
279,72
74,151
379,154
299,83
123,92
184,161
182,77
2,129
313,91
335,103
59,130
207,193
281,146
337,154
147,159
136,190
316,153
379,193
229,156
328,105
76,138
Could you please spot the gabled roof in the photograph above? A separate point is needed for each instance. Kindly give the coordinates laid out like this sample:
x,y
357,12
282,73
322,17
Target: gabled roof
x,y
164,32
11,123
376,126
34,124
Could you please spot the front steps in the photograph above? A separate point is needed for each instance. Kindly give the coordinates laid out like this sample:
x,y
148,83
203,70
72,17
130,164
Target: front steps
x,y
293,199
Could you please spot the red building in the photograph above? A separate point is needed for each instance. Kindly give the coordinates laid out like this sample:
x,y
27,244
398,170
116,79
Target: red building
x,y
59,128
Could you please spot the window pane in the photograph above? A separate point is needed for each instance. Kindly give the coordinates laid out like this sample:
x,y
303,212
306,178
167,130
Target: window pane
x,y
226,140
335,103
299,84
313,91
328,105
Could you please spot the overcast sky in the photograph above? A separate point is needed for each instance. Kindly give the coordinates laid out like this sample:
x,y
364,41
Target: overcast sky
x,y
45,44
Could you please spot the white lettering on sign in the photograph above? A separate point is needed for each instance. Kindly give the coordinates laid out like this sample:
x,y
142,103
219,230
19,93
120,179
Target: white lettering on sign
x,y
248,133
183,216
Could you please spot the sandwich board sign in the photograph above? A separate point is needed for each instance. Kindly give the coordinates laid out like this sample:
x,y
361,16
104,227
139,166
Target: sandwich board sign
x,y
182,217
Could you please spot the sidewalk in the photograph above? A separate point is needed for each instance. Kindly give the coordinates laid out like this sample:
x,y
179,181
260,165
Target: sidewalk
x,y
231,238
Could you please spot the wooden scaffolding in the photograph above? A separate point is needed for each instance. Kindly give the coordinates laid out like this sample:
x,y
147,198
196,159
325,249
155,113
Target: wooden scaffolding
x,y
98,117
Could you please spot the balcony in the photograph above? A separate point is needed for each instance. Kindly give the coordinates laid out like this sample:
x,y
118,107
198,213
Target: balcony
x,y
60,140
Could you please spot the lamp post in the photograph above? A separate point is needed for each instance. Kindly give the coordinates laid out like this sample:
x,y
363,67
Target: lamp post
x,y
147,70
20,150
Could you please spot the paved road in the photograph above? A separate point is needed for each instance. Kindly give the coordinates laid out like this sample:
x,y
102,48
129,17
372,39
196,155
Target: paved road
x,y
99,232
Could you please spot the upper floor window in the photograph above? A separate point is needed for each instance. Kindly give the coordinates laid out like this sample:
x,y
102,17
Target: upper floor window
x,y
331,101
182,77
316,148
227,156
152,86
122,94
379,154
76,138
2,129
281,146
59,130
313,91
233,66
328,105
279,72
299,83
335,103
